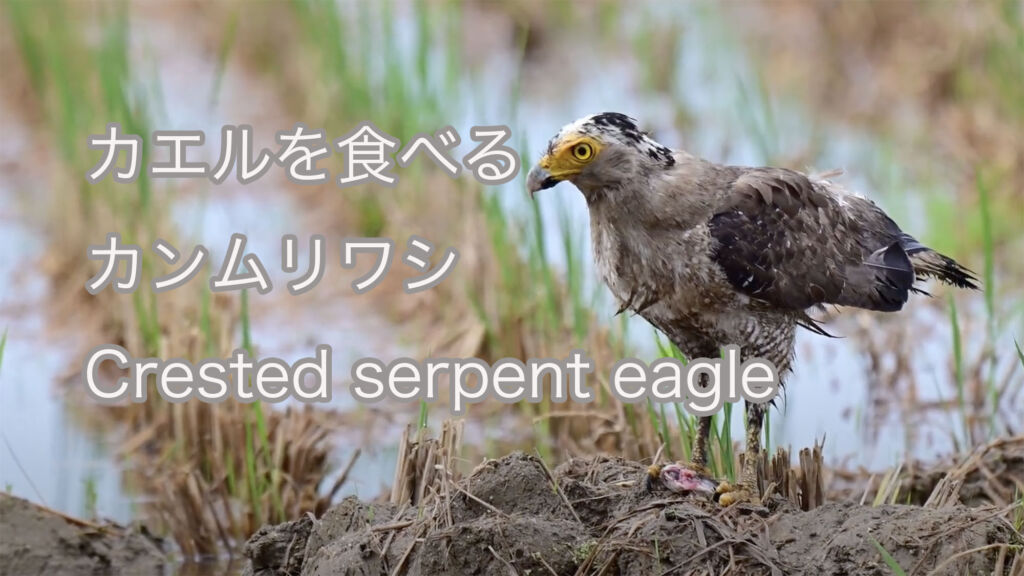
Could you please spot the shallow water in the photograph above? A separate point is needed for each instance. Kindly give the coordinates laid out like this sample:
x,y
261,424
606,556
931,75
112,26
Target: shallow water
x,y
47,454
50,456
264,211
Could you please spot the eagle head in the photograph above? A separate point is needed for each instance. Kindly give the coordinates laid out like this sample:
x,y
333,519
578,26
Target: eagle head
x,y
597,152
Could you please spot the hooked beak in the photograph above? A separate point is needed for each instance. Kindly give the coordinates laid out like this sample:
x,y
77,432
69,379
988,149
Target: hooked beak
x,y
539,178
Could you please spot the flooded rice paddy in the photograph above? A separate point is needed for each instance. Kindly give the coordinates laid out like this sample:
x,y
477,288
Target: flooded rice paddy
x,y
58,452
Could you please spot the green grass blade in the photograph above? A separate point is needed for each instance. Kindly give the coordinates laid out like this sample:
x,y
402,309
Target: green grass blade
x,y
958,365
891,562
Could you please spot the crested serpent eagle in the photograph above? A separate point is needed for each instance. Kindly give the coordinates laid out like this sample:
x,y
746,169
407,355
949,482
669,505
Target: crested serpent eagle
x,y
714,255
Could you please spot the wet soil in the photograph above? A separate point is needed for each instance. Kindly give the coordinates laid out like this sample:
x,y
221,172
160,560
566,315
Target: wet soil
x,y
603,518
37,540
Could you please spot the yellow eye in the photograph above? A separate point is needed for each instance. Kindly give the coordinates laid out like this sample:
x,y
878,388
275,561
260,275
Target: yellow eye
x,y
582,151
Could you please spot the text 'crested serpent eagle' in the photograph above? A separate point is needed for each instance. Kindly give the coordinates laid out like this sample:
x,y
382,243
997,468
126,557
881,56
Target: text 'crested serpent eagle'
x,y
715,255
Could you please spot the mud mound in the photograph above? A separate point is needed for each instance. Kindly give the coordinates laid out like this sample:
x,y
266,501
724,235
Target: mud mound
x,y
35,540
509,518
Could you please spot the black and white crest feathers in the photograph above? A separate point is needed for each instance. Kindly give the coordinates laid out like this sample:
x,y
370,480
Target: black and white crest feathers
x,y
620,128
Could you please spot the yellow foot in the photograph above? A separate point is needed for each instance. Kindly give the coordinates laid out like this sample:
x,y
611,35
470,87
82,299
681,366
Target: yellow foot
x,y
729,495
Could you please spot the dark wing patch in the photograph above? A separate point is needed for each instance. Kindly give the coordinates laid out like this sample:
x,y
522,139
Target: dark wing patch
x,y
784,242
772,243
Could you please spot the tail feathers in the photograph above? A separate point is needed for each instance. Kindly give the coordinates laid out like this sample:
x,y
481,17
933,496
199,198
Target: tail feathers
x,y
934,265
885,279
930,264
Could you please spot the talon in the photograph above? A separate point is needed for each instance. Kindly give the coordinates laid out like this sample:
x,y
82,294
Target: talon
x,y
727,494
653,474
731,498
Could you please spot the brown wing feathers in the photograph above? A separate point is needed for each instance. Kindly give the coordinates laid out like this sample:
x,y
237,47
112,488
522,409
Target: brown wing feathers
x,y
775,240
783,241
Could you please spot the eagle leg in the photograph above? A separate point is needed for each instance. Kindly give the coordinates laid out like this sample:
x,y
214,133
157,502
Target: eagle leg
x,y
746,490
699,455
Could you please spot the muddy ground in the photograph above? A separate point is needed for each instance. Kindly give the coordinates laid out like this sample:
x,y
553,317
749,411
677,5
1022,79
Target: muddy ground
x,y
36,540
508,518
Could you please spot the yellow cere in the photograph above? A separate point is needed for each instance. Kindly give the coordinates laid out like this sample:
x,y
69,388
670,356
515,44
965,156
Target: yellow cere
x,y
569,158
